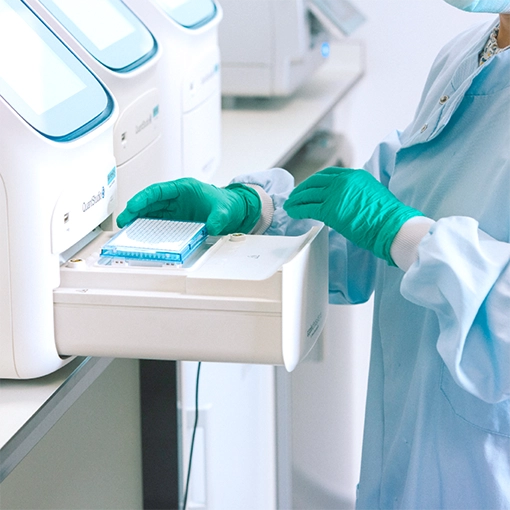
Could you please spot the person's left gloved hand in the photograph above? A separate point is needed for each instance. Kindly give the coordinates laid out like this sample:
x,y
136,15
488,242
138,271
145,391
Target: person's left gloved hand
x,y
353,203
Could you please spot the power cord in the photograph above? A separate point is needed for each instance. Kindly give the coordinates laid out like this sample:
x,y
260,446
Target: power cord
x,y
185,498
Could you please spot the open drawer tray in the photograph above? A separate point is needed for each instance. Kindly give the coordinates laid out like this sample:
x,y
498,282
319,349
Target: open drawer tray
x,y
241,298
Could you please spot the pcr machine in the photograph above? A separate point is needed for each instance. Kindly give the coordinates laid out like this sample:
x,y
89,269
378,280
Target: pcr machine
x,y
249,299
187,33
271,47
121,51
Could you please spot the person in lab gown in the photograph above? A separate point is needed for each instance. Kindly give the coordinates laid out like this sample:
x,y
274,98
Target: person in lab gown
x,y
437,218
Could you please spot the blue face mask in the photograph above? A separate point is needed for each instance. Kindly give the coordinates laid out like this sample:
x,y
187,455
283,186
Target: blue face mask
x,y
495,6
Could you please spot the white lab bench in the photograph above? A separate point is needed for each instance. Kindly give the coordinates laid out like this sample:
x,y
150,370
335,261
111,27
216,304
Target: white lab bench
x,y
257,134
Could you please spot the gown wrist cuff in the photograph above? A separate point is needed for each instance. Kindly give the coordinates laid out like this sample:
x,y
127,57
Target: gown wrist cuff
x,y
267,211
404,249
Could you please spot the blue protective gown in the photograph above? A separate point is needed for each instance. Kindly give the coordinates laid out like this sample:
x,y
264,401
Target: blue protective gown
x,y
437,430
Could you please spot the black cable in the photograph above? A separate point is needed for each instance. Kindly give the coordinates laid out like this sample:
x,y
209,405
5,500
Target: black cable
x,y
185,498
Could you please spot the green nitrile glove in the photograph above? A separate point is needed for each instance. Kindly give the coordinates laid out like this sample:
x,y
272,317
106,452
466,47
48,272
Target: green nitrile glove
x,y
235,208
353,203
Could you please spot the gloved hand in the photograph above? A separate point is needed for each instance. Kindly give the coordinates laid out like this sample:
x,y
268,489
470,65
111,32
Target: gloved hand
x,y
235,208
353,203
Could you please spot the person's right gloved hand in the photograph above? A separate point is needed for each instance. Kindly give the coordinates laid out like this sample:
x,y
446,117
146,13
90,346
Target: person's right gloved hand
x,y
235,208
355,204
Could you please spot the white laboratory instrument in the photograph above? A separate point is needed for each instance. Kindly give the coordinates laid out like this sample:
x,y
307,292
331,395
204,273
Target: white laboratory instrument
x,y
57,180
253,299
187,33
271,47
121,51
239,298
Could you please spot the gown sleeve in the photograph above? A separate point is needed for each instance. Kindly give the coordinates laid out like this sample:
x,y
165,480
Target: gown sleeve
x,y
463,275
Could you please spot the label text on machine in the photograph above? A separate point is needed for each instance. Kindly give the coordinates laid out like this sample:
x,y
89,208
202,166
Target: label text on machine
x,y
93,201
315,324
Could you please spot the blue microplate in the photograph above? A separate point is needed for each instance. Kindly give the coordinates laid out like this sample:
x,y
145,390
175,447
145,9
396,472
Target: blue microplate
x,y
156,240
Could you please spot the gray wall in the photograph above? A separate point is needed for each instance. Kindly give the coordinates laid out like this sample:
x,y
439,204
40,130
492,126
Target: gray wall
x,y
91,459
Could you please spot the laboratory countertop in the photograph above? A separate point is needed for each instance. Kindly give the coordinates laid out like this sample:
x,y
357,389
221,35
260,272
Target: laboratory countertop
x,y
257,134
261,133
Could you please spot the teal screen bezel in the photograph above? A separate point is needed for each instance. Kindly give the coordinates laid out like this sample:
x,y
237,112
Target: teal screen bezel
x,y
124,55
73,116
192,14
